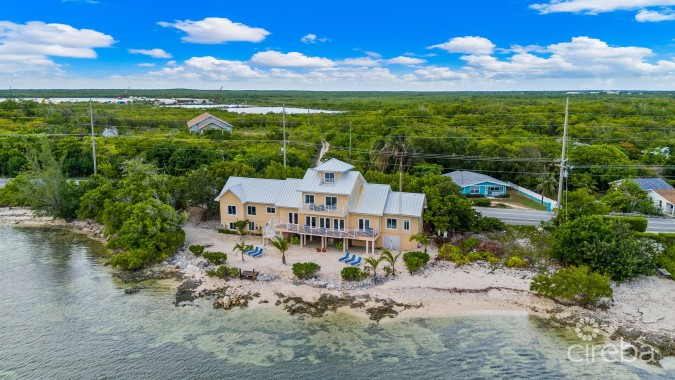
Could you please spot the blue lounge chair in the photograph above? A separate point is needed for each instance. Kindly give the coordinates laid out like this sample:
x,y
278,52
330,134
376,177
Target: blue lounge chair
x,y
260,252
357,262
349,260
346,256
251,252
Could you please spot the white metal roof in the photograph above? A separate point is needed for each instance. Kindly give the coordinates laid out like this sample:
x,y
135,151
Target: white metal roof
x,y
371,199
253,190
334,165
405,204
466,178
313,182
288,194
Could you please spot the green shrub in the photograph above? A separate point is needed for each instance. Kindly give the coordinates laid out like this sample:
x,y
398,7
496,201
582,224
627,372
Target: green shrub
x,y
449,252
469,244
215,258
667,239
474,256
415,260
197,250
666,260
339,245
305,271
223,271
635,223
481,202
490,224
576,284
295,240
488,246
233,272
353,274
227,231
515,262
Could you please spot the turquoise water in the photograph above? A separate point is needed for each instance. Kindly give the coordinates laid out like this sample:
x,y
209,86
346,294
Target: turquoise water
x,y
63,316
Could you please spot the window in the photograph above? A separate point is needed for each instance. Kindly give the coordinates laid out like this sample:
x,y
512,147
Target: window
x,y
331,203
231,210
329,177
338,224
251,226
474,190
271,210
251,210
232,227
364,224
293,217
406,224
324,222
391,223
309,199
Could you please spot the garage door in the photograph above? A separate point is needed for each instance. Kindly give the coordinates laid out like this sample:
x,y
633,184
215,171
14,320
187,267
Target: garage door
x,y
392,242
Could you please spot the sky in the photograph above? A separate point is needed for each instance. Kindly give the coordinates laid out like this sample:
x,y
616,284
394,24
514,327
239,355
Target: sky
x,y
347,45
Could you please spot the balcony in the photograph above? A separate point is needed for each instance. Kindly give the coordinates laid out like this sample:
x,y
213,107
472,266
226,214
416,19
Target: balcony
x,y
324,209
367,234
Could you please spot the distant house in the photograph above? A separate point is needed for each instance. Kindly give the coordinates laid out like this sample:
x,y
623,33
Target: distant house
x,y
661,193
481,184
207,121
478,184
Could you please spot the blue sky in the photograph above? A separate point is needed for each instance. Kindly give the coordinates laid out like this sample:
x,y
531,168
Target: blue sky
x,y
347,45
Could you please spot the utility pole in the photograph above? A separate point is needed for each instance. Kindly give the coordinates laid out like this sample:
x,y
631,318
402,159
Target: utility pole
x,y
350,140
284,122
11,96
563,166
93,142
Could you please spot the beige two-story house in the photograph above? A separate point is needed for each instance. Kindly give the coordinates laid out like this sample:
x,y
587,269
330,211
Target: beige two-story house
x,y
331,203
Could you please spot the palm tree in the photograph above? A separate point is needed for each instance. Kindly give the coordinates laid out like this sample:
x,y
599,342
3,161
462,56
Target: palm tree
x,y
396,148
390,259
372,264
282,245
421,238
242,228
242,247
546,186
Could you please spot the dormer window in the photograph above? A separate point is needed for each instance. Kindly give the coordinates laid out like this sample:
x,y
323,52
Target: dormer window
x,y
329,177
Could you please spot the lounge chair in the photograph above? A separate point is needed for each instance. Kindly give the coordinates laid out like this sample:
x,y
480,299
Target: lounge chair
x,y
260,252
345,257
349,260
357,262
251,252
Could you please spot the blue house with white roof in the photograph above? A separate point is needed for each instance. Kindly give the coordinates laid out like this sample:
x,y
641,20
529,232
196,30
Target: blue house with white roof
x,y
478,184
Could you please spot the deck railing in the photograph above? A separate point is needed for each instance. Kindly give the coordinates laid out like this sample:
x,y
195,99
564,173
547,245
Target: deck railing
x,y
370,233
324,209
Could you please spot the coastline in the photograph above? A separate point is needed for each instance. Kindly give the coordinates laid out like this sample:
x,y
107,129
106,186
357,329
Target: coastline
x,y
642,307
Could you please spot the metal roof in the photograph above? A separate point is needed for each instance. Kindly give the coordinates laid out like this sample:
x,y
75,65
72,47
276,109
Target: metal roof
x,y
466,178
313,182
253,190
652,184
334,165
405,204
288,195
206,119
371,199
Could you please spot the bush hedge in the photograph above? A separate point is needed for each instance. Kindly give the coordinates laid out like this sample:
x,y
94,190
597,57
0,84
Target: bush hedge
x,y
215,258
305,271
515,262
576,284
449,252
481,202
666,260
469,244
197,250
415,260
635,223
353,274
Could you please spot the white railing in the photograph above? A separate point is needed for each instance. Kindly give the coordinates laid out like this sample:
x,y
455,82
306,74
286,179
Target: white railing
x,y
324,209
369,233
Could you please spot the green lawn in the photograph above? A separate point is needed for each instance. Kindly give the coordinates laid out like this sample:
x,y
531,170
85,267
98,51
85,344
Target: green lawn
x,y
515,198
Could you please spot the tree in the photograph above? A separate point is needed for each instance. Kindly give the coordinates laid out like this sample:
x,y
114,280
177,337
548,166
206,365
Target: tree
x,y
577,284
421,238
242,247
371,264
415,260
578,203
242,229
546,186
282,245
626,197
393,148
605,246
606,163
390,259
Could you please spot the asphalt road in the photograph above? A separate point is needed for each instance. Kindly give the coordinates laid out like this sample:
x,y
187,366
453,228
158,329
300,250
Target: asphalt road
x,y
533,218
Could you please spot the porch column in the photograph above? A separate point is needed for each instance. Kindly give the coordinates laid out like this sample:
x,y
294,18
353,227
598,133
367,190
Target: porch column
x,y
302,240
366,246
344,245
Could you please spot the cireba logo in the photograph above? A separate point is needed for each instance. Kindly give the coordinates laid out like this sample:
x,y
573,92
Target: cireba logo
x,y
588,329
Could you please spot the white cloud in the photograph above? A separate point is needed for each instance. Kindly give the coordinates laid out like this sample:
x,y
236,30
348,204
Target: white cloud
x,y
223,69
597,6
312,39
292,59
216,30
146,65
439,73
404,60
154,53
655,16
467,45
27,47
